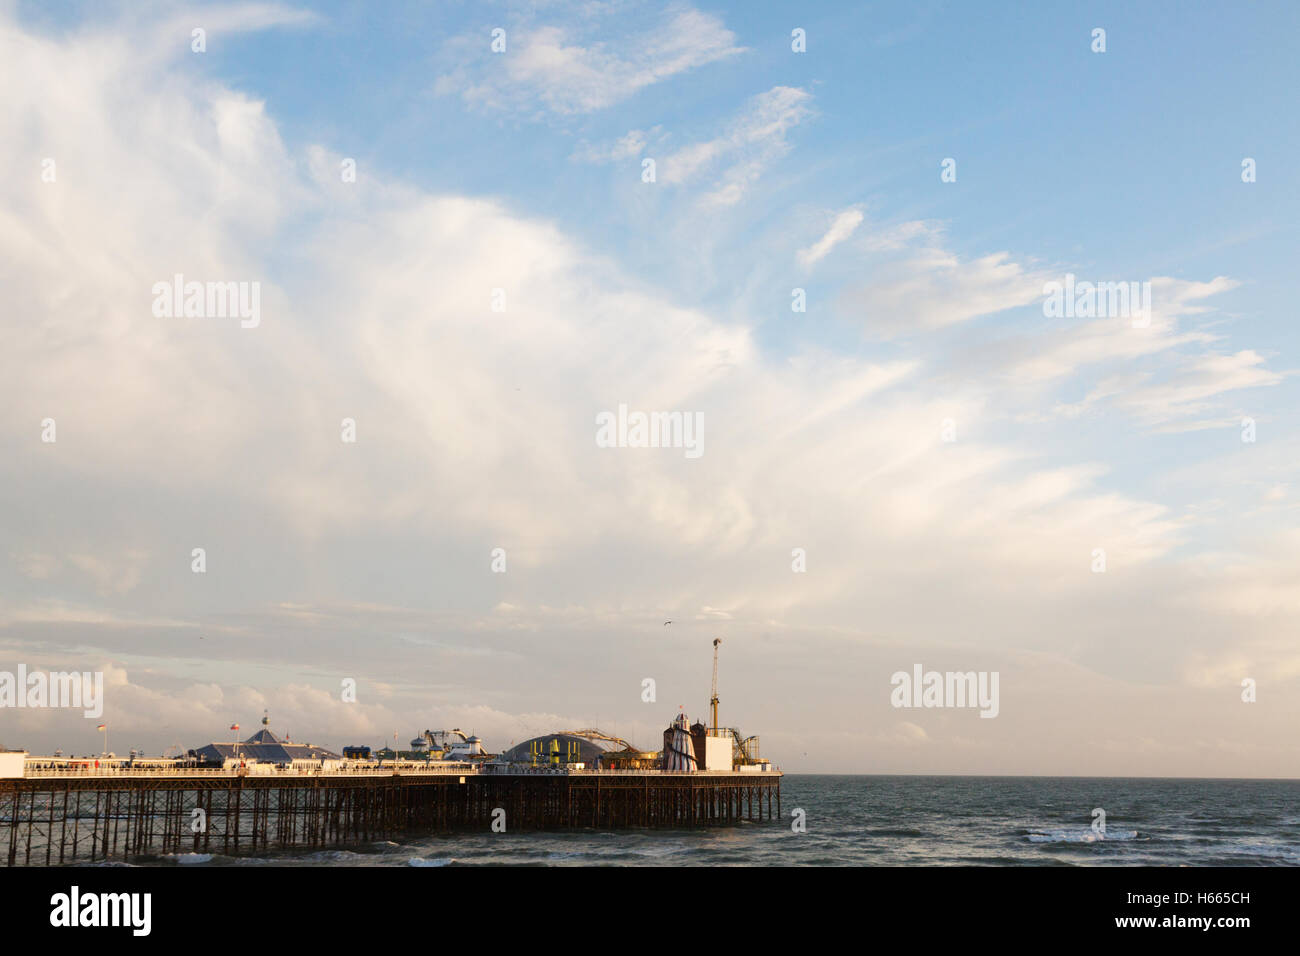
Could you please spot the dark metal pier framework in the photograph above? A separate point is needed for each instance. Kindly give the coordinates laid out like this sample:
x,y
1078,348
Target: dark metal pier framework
x,y
52,820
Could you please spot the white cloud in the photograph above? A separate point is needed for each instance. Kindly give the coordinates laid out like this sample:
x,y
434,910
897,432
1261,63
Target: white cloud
x,y
1208,376
625,147
751,141
1152,373
1068,345
844,226
1188,390
927,288
900,236
935,288
550,68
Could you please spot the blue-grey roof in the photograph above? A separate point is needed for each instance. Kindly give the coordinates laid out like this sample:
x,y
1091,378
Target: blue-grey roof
x,y
588,750
264,747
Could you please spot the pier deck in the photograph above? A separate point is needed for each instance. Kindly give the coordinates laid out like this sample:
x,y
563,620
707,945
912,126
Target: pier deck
x,y
61,817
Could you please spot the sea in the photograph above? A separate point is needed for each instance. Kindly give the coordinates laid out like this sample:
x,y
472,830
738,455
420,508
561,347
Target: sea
x,y
898,821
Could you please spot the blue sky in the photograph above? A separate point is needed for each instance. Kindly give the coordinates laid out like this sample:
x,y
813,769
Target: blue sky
x,y
775,170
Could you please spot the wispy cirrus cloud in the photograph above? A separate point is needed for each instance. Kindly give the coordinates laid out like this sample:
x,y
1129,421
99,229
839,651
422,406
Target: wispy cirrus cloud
x,y
752,140
730,162
565,70
934,288
1191,388
845,224
626,147
919,286
1065,346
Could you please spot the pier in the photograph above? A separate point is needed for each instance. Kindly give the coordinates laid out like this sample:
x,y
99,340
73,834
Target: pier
x,y
60,816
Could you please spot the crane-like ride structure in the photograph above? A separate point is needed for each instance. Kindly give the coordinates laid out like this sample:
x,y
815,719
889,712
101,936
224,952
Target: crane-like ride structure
x,y
713,700
744,749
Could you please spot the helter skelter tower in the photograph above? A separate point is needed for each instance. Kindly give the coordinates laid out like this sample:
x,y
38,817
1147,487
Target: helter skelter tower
x,y
678,752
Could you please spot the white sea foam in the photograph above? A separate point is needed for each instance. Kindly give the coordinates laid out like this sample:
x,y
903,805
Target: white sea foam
x,y
1082,836
422,861
190,858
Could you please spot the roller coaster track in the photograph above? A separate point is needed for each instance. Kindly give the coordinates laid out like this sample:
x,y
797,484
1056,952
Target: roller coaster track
x,y
593,734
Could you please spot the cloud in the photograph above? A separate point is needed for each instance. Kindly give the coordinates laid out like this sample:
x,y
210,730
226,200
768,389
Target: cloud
x,y
750,142
900,236
1188,390
1159,374
924,287
626,147
844,226
1065,346
934,288
549,67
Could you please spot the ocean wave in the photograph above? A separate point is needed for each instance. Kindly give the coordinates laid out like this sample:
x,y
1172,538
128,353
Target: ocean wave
x,y
1268,851
895,832
188,859
423,861
567,855
657,850
333,856
1081,836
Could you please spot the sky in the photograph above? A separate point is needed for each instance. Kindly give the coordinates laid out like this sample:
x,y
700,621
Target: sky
x,y
921,467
